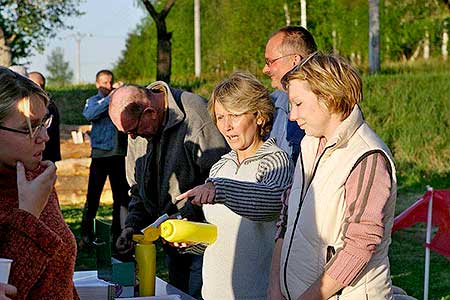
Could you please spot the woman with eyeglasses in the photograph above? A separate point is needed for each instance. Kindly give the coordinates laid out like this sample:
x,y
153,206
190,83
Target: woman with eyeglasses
x,y
32,229
337,223
242,195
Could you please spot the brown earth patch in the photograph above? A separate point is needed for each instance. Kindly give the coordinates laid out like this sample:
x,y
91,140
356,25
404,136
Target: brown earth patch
x,y
73,169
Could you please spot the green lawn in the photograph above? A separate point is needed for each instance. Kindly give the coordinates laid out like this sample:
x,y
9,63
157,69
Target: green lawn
x,y
86,259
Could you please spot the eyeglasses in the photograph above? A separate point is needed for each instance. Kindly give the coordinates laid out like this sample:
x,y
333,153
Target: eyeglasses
x,y
46,122
285,79
133,132
269,62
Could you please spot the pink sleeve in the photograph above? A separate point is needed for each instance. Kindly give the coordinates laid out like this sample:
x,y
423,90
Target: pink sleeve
x,y
366,192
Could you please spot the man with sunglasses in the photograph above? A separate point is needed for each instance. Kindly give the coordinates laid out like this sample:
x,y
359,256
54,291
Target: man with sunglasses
x,y
109,148
285,49
173,144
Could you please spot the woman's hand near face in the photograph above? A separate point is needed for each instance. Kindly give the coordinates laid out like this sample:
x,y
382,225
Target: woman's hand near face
x,y
33,194
7,290
201,194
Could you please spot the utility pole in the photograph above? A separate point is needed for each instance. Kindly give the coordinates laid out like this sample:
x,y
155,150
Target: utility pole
x,y
197,44
78,37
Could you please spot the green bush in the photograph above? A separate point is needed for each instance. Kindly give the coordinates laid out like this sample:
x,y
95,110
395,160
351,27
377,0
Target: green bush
x,y
70,102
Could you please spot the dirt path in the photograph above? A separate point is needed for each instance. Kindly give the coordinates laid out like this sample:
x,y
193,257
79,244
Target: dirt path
x,y
73,170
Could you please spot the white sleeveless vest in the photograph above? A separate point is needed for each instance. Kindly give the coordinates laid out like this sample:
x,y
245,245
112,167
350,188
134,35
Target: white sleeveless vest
x,y
320,189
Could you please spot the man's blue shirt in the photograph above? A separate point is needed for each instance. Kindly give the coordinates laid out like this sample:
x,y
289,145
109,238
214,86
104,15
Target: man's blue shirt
x,y
287,133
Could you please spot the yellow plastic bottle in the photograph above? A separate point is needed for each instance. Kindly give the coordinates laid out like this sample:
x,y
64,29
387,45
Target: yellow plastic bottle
x,y
183,231
145,253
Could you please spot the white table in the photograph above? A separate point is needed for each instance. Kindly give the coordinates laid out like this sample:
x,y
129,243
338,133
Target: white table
x,y
89,287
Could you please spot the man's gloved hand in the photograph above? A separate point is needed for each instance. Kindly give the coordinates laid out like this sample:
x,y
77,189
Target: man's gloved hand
x,y
124,243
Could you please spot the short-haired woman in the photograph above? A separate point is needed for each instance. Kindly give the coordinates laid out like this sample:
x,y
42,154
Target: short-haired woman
x,y
341,204
242,196
32,229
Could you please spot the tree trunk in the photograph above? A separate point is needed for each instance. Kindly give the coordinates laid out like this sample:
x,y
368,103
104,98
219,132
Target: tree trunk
x,y
5,51
286,14
374,36
426,46
444,44
164,55
303,13
197,39
164,48
334,36
416,52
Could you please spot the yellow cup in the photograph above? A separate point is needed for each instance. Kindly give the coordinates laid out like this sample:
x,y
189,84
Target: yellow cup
x,y
146,260
182,231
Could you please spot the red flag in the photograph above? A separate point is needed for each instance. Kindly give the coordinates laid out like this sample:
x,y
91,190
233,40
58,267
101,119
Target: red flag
x,y
441,218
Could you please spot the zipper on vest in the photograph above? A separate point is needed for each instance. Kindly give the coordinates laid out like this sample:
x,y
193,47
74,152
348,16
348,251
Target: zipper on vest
x,y
298,212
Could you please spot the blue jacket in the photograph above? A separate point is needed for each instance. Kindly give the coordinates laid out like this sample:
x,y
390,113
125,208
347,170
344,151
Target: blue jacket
x,y
287,133
103,130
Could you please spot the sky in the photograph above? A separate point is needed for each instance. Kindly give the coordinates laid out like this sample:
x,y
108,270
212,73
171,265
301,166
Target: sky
x,y
103,27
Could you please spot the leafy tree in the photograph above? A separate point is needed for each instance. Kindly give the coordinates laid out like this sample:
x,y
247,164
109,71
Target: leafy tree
x,y
404,23
137,62
60,73
25,25
234,33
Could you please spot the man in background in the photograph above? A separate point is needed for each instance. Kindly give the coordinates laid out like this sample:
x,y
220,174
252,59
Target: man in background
x,y
285,49
109,148
52,150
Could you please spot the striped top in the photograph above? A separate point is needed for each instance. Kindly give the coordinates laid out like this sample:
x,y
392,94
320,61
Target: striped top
x,y
367,190
259,200
248,203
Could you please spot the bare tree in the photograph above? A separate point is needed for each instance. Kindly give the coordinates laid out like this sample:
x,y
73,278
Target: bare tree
x,y
164,48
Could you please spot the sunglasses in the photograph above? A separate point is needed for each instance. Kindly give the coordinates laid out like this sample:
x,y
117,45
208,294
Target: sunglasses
x,y
33,131
285,79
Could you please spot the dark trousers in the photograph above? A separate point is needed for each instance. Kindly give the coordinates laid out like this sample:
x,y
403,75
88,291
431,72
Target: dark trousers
x,y
101,168
185,271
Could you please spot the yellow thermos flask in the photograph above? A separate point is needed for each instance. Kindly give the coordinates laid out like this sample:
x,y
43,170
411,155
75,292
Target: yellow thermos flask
x,y
145,253
183,231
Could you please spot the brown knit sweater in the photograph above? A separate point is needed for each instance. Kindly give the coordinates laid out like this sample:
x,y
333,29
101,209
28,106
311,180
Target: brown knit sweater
x,y
43,250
